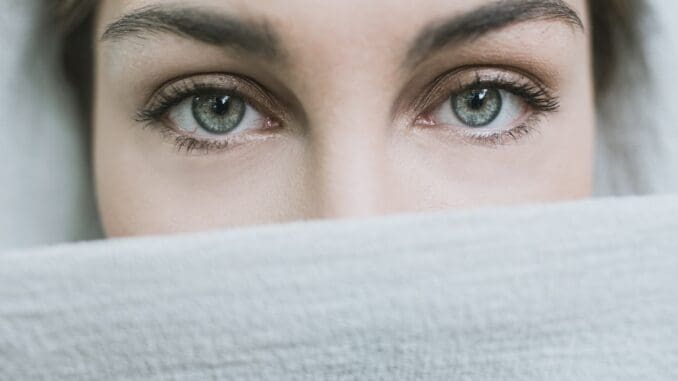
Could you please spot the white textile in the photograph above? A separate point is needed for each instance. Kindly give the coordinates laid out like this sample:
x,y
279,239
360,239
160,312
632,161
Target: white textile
x,y
580,291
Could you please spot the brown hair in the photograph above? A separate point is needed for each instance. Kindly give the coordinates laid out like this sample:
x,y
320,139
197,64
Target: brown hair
x,y
617,30
616,27
75,19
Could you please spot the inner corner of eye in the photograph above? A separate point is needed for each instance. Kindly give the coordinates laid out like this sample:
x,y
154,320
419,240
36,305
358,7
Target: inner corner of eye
x,y
427,119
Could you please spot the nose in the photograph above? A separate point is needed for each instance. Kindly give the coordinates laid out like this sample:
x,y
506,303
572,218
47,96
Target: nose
x,y
349,170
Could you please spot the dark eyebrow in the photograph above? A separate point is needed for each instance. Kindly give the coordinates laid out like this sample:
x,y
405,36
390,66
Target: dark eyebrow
x,y
198,24
488,18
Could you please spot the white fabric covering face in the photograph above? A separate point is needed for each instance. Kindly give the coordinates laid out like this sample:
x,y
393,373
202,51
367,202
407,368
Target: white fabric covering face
x,y
454,296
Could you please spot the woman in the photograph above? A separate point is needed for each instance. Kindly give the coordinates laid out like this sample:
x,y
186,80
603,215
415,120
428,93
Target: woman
x,y
211,114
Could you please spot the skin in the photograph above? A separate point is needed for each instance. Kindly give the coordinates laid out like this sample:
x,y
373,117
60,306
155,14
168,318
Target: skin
x,y
348,145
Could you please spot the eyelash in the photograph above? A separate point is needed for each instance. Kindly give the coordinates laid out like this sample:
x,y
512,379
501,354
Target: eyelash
x,y
170,96
538,97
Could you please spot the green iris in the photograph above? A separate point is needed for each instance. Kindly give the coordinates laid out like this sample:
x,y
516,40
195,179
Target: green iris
x,y
477,107
218,114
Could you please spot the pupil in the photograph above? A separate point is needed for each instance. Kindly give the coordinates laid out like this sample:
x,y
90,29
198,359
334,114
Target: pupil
x,y
221,105
477,99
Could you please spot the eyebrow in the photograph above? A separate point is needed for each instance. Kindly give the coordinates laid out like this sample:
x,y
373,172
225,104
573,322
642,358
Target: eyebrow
x,y
489,18
202,25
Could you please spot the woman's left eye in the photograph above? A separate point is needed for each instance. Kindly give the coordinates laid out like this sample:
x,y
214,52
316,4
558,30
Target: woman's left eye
x,y
214,114
481,108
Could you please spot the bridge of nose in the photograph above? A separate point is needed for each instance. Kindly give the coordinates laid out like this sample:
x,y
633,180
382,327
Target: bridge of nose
x,y
349,163
349,134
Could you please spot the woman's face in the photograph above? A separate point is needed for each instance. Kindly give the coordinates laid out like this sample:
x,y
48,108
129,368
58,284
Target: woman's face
x,y
220,113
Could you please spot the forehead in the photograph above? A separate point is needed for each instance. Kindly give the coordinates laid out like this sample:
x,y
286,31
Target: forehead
x,y
375,20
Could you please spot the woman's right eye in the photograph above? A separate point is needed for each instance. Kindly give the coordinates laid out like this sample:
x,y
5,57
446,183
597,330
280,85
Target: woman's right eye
x,y
214,114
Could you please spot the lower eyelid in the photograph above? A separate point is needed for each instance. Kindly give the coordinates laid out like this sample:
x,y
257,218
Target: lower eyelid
x,y
506,137
528,127
199,146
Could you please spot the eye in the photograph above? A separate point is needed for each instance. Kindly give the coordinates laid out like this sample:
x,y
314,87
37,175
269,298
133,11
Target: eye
x,y
482,108
214,114
486,105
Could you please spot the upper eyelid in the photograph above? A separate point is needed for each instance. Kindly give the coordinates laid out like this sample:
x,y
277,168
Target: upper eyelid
x,y
502,77
185,86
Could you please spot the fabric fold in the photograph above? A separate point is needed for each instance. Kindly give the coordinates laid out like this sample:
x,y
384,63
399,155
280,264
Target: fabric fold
x,y
584,290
